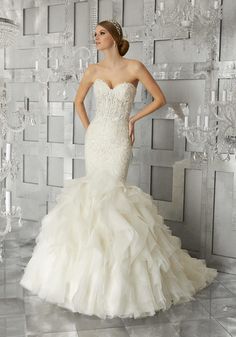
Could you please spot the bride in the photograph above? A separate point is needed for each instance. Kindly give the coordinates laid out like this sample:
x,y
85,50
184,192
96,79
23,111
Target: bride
x,y
103,249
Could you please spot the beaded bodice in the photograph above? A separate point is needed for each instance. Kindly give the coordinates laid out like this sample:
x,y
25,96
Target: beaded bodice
x,y
114,103
108,146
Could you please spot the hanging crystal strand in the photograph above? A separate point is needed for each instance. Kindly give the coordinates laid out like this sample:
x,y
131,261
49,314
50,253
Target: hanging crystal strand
x,y
9,164
68,26
67,34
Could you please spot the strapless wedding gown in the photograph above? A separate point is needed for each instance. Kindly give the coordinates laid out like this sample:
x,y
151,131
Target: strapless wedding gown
x,y
103,249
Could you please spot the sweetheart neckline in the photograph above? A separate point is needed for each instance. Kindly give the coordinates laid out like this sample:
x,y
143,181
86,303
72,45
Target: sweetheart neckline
x,y
119,84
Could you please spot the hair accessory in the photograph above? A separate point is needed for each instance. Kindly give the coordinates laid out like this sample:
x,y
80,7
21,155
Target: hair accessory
x,y
117,25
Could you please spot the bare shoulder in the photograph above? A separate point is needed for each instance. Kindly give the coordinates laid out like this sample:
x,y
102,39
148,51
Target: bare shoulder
x,y
90,73
95,67
135,64
91,69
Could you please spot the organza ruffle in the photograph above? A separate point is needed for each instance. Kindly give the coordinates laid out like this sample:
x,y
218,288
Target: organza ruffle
x,y
104,250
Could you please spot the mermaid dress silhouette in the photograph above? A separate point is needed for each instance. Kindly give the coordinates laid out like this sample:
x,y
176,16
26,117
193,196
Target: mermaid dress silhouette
x,y
103,249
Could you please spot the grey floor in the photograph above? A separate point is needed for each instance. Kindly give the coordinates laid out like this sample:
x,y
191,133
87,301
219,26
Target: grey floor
x,y
213,313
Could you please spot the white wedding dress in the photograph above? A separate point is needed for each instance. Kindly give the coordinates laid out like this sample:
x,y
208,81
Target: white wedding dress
x,y
103,249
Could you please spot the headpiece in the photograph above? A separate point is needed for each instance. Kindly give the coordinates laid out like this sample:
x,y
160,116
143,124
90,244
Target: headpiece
x,y
117,25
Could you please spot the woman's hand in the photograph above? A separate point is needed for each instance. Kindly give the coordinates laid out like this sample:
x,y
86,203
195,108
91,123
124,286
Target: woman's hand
x,y
131,131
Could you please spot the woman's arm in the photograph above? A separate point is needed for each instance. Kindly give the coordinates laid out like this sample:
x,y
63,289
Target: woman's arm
x,y
148,81
84,86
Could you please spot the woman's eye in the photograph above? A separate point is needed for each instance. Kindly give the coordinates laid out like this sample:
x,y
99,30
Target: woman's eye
x,y
95,34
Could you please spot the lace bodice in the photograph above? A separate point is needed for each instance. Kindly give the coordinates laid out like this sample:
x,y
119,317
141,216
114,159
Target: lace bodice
x,y
113,103
108,146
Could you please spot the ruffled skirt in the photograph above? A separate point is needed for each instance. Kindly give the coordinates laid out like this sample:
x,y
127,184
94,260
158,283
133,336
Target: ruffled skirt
x,y
104,250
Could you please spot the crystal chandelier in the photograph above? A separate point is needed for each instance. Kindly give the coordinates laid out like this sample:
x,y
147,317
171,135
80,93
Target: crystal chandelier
x,y
224,116
188,17
8,32
9,163
23,115
67,62
70,67
214,130
67,68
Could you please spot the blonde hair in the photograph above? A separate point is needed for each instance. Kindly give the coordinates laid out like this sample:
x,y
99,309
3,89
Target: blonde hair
x,y
114,28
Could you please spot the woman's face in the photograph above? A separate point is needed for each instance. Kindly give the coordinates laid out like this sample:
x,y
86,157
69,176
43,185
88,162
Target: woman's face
x,y
103,38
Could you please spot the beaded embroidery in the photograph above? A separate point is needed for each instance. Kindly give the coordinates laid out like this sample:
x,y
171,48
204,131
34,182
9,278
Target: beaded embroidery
x,y
107,142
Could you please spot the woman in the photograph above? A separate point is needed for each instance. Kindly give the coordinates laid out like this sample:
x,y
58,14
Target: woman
x,y
103,249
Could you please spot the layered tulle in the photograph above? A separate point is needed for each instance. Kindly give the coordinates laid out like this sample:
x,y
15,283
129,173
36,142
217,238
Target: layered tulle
x,y
104,250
